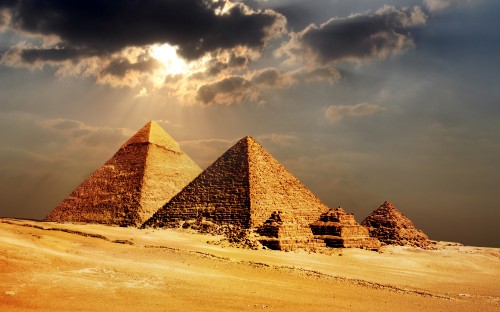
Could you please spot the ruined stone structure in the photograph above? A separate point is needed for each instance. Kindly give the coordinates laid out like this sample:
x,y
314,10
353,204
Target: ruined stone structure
x,y
282,232
246,187
390,226
337,228
140,178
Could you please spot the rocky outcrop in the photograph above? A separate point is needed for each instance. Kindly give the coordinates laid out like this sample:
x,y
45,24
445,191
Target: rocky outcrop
x,y
337,228
391,227
145,173
244,187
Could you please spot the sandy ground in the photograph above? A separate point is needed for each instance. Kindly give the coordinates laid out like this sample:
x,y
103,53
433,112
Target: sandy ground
x,y
74,267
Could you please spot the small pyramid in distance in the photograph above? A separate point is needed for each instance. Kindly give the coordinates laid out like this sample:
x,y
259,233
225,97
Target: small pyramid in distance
x,y
145,173
244,188
392,227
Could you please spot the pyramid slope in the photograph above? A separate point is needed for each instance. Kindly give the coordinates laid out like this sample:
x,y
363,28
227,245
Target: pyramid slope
x,y
274,188
220,193
145,173
243,187
392,227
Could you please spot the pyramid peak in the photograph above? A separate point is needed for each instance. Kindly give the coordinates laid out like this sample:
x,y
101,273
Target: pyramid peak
x,y
337,212
387,205
247,140
153,133
151,122
339,208
244,146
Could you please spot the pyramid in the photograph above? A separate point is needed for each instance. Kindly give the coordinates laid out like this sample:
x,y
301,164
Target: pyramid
x,y
145,173
281,231
242,188
391,227
338,228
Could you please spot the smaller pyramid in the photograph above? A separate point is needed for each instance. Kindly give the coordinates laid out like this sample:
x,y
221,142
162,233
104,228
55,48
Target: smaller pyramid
x,y
282,232
391,227
339,229
146,172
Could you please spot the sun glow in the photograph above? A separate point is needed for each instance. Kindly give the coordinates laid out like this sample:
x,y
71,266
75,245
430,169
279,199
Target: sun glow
x,y
167,55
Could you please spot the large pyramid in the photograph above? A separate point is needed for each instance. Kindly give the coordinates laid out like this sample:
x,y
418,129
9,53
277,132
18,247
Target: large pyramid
x,y
390,226
145,173
245,187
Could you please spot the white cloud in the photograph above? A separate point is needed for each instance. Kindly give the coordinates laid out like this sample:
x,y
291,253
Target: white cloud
x,y
79,133
276,139
336,112
440,5
228,91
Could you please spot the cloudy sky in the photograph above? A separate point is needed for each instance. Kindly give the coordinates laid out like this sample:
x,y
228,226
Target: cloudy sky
x,y
364,101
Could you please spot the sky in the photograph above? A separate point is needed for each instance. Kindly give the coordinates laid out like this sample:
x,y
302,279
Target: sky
x,y
363,101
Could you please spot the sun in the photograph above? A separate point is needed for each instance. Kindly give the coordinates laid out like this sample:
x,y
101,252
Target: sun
x,y
167,55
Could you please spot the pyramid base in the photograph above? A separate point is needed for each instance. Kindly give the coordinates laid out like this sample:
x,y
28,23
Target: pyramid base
x,y
423,243
364,242
292,243
278,233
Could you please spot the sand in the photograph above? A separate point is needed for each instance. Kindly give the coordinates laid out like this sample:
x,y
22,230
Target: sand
x,y
48,266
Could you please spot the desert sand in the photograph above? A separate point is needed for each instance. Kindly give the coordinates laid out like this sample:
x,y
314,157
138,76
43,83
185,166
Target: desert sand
x,y
46,266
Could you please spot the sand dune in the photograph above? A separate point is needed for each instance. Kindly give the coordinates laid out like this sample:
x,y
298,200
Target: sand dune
x,y
48,266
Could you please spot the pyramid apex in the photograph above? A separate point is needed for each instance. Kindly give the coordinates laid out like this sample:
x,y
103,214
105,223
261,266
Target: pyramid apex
x,y
387,205
152,123
247,139
153,133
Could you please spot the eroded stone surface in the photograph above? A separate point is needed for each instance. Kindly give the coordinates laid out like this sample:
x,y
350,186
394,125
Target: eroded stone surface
x,y
391,227
142,176
220,194
244,187
338,228
283,232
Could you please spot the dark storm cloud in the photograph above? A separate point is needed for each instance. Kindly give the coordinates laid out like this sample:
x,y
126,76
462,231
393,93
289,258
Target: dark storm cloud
x,y
8,4
300,14
297,14
96,27
53,54
236,89
357,38
217,65
119,67
228,91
